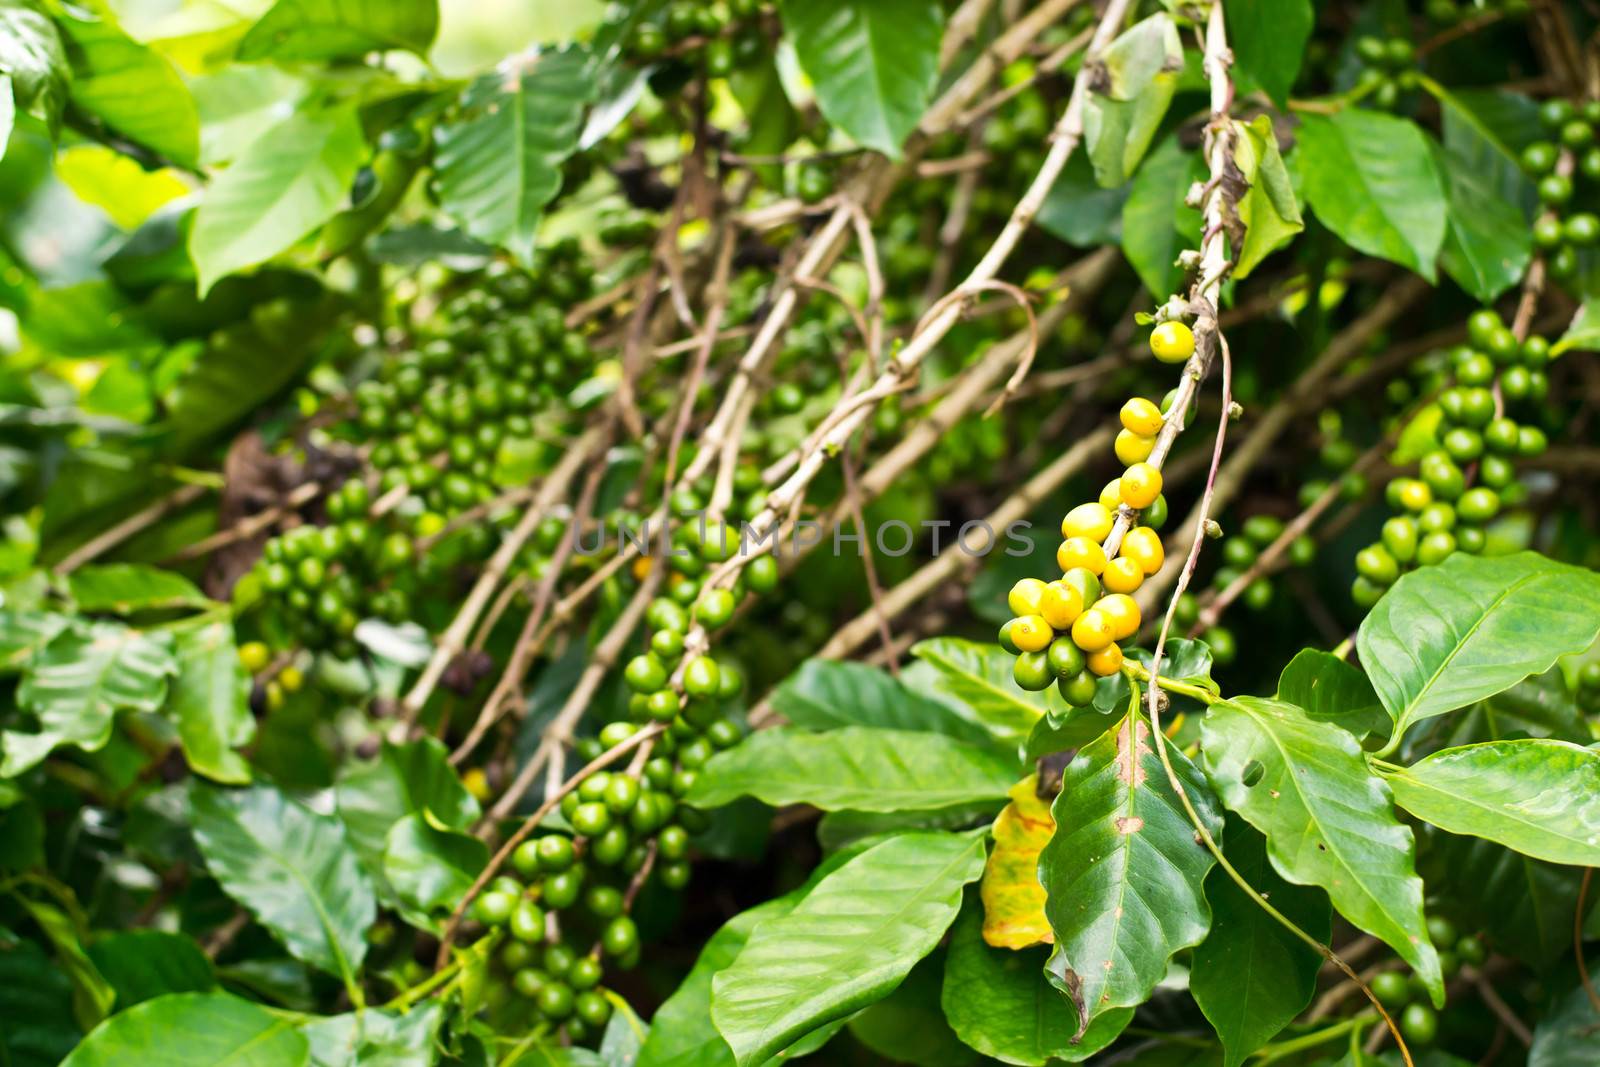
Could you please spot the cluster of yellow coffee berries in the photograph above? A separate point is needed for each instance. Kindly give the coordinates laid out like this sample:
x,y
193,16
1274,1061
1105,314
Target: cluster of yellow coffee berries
x,y
1067,631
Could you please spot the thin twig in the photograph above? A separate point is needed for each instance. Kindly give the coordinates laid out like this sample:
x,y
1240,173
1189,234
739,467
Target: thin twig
x,y
180,497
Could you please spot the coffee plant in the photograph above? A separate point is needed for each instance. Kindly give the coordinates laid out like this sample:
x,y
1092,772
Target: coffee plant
x,y
714,533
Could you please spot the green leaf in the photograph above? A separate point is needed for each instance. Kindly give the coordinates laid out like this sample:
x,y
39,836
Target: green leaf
x,y
853,768
1372,179
770,119
850,941
244,363
825,694
874,63
1268,208
414,778
1443,637
1078,211
1124,871
1420,435
125,588
36,1024
998,1001
32,59
1328,820
1538,797
1328,689
1583,332
92,995
320,30
908,1025
1488,243
837,829
1570,1035
499,161
277,191
237,105
144,964
681,1033
376,1038
78,682
211,703
430,868
192,1030
1156,223
1121,117
1268,39
292,868
131,88
23,633
978,677
1251,976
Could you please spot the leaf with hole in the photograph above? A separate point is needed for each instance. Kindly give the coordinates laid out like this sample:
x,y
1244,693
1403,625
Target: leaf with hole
x,y
1328,820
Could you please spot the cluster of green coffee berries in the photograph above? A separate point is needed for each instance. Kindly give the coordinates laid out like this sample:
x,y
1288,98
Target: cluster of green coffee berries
x,y
564,890
1571,151
1407,997
1469,473
1068,631
719,36
448,419
1388,69
314,583
1239,552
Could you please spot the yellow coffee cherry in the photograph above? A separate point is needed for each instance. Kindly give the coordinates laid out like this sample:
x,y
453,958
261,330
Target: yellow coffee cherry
x,y
1132,448
1142,417
1141,484
1061,605
1031,633
1091,632
254,656
1025,596
1120,612
1087,520
1172,342
477,783
1081,552
1123,575
1143,546
1111,495
291,678
1106,662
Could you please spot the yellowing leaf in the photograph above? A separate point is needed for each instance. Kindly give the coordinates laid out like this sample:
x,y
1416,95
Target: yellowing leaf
x,y
1013,899
117,185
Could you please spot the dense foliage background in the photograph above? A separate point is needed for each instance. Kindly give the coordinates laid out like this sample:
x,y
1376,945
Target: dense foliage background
x,y
578,534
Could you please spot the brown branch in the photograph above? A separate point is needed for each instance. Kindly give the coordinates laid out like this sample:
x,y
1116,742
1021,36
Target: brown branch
x,y
180,497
